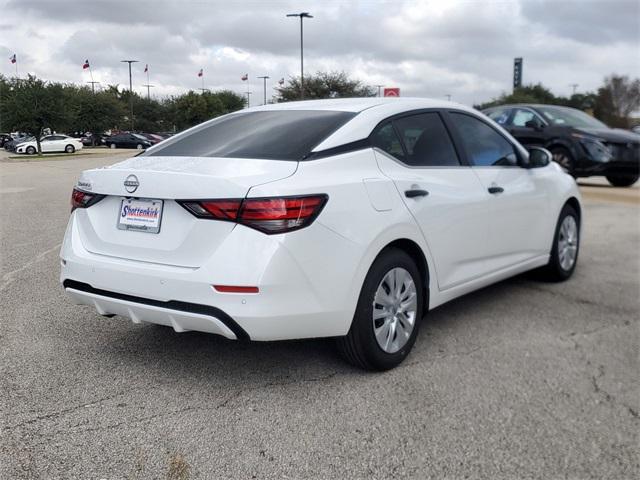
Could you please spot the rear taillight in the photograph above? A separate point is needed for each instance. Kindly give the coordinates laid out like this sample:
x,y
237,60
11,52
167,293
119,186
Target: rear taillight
x,y
81,199
269,215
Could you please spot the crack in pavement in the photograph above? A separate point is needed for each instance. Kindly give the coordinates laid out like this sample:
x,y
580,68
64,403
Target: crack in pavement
x,y
10,277
574,299
609,398
222,404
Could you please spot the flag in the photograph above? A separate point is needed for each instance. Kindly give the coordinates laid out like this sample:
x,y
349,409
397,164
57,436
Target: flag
x,y
146,68
13,59
244,77
281,81
200,73
85,65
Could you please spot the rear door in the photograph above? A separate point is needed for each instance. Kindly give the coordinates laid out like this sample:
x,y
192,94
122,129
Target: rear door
x,y
443,194
517,204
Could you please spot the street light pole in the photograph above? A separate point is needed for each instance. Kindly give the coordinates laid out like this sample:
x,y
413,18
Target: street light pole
x,y
130,88
148,92
302,16
379,87
264,78
93,86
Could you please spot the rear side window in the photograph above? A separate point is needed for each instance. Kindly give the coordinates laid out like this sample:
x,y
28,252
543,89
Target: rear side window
x,y
387,140
273,135
426,141
484,146
499,115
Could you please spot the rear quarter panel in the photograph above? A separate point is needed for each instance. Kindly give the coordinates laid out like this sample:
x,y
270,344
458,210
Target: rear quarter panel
x,y
335,267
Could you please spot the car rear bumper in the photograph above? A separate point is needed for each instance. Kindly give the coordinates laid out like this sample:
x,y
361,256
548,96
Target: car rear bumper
x,y
181,316
303,292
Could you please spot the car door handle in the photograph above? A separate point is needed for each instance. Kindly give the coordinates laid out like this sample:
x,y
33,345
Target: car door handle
x,y
494,190
415,193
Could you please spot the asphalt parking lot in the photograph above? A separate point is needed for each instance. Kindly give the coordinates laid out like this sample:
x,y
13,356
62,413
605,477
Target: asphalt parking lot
x,y
520,380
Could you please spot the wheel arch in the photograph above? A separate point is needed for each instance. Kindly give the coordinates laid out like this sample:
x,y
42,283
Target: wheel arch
x,y
416,253
575,204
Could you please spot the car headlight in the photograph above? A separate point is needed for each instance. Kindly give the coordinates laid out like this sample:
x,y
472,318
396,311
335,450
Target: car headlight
x,y
597,150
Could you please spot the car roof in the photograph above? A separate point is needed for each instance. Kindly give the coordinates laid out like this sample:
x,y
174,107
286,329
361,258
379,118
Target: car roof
x,y
529,105
353,104
370,111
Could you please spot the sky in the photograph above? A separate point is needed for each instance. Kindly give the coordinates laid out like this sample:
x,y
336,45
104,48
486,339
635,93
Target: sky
x,y
462,48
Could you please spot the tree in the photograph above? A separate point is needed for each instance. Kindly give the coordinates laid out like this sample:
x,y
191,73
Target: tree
x,y
31,105
527,94
187,110
325,85
95,112
231,101
617,99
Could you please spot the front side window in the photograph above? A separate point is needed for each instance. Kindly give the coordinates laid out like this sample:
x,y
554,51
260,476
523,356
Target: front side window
x,y
484,146
273,135
522,116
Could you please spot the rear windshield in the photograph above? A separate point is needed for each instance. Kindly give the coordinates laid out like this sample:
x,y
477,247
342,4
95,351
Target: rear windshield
x,y
273,135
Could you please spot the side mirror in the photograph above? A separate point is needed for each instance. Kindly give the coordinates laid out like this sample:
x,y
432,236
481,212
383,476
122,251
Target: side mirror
x,y
533,124
539,157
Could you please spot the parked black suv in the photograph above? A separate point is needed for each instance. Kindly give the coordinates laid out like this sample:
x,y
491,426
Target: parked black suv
x,y
582,145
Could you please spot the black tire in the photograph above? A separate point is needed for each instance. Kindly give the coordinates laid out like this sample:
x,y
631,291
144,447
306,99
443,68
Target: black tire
x,y
360,347
31,150
554,271
69,149
621,180
563,157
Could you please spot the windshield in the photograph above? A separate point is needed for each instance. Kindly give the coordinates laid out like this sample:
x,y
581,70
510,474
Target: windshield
x,y
570,117
273,135
141,137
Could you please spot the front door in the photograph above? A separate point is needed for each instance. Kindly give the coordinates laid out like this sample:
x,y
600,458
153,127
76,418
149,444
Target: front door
x,y
517,206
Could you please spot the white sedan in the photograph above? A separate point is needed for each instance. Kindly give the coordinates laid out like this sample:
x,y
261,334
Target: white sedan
x,y
334,218
51,143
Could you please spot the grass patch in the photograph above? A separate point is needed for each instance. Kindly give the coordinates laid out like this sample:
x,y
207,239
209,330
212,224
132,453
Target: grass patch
x,y
48,156
36,158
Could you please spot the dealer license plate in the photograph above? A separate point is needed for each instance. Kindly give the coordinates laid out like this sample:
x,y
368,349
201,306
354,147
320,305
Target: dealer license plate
x,y
141,215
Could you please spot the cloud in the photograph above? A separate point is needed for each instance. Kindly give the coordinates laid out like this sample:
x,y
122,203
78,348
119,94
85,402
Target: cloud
x,y
428,48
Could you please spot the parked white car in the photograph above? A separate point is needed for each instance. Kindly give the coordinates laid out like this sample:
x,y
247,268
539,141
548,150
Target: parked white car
x,y
51,143
335,218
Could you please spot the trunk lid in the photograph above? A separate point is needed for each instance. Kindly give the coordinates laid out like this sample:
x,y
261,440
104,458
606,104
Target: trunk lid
x,y
183,240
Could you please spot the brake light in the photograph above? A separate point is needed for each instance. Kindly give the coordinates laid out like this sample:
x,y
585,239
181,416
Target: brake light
x,y
82,199
214,209
268,215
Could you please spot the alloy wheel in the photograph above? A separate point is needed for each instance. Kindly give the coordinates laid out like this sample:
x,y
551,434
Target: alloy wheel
x,y
562,159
